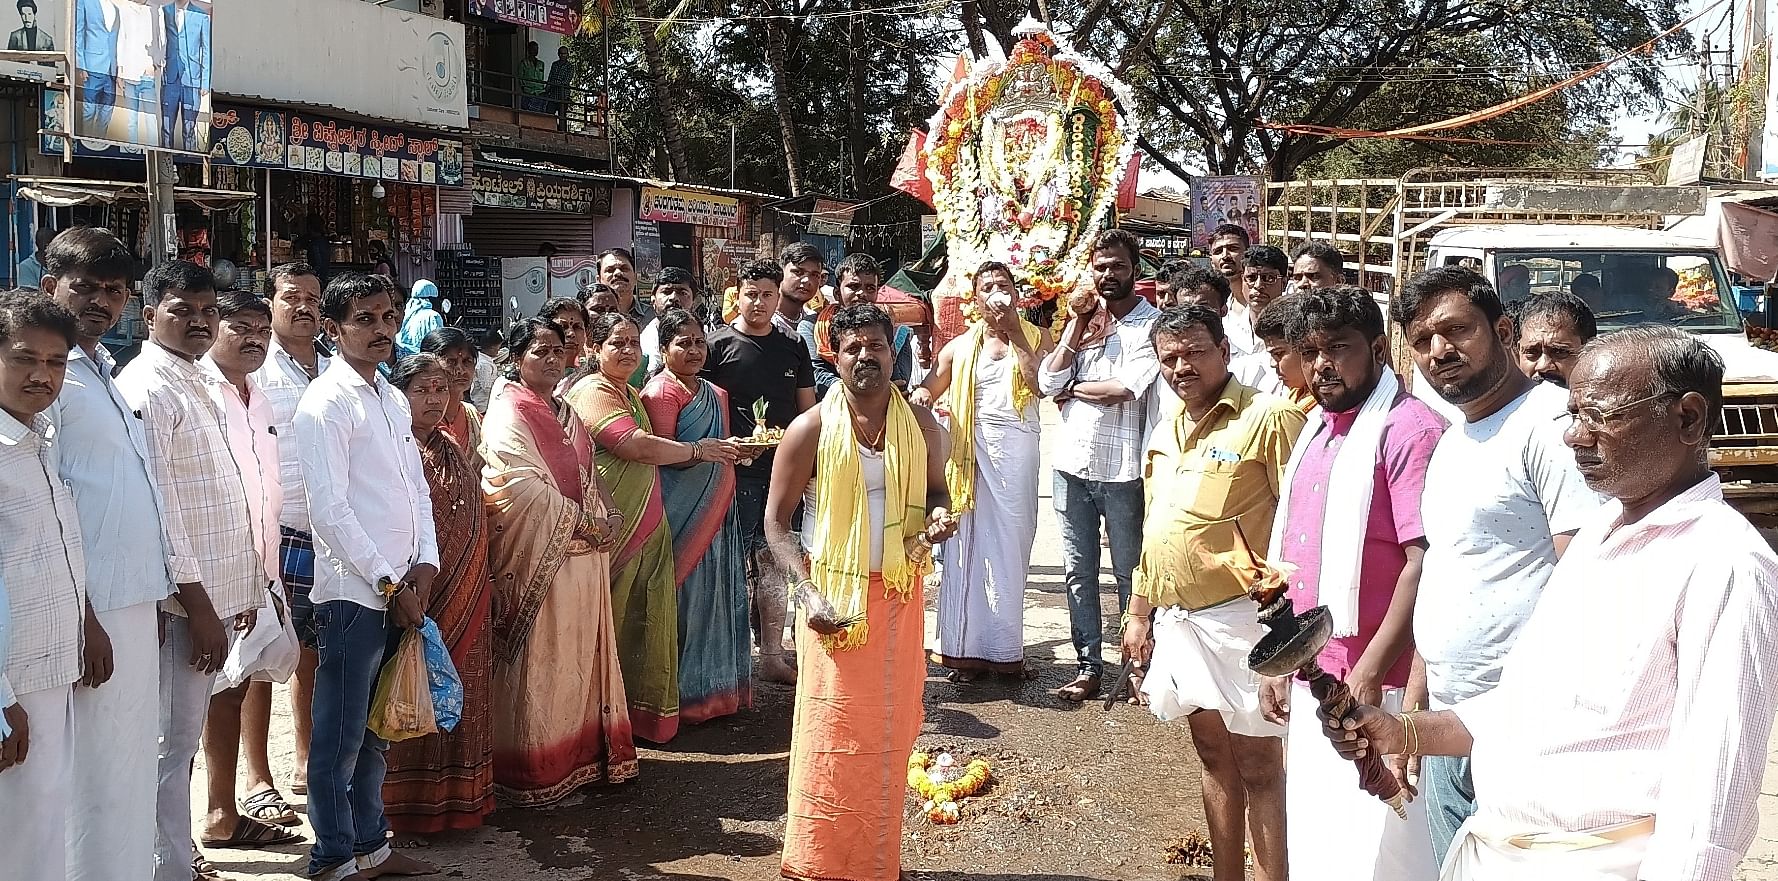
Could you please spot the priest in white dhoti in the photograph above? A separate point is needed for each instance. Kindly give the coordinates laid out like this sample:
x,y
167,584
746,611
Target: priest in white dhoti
x,y
1349,532
990,373
1627,738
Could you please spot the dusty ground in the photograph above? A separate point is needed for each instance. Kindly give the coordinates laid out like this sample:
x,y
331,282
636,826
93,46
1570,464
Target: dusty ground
x,y
1081,795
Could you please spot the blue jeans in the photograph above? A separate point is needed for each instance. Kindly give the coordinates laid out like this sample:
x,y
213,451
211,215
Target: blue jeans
x,y
346,760
144,114
98,98
1080,504
1450,799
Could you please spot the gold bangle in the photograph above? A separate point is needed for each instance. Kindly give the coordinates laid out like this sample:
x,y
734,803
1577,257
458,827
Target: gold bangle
x,y
1411,733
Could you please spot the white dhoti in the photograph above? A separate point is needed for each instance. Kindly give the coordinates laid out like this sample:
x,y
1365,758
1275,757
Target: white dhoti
x,y
1488,849
1200,663
34,796
116,728
1339,832
981,595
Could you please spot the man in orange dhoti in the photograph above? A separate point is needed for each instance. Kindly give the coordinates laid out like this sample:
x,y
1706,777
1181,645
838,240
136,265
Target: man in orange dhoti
x,y
879,504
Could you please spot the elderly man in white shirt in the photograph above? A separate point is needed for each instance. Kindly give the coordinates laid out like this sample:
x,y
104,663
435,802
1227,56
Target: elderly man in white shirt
x,y
1628,735
378,553
45,574
104,461
1100,374
218,576
293,360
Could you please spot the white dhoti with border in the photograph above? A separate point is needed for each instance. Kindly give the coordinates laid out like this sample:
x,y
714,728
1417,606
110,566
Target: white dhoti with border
x,y
34,796
1337,831
116,748
1489,849
1200,663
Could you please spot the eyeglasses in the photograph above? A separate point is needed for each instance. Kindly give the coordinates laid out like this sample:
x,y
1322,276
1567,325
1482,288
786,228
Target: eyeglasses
x,y
1263,277
1593,418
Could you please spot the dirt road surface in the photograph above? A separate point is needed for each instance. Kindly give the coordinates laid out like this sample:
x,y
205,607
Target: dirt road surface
x,y
1080,794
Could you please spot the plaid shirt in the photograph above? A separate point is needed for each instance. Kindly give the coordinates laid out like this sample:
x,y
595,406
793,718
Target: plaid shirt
x,y
1105,443
41,562
208,529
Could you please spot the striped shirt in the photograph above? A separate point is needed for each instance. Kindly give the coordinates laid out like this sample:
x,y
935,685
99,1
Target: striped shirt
x,y
1644,684
206,506
1212,484
41,562
1099,442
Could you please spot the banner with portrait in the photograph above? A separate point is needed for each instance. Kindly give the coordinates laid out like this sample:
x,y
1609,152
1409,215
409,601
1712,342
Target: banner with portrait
x,y
142,71
1217,201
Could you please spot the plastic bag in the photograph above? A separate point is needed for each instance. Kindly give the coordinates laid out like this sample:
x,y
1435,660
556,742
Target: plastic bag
x,y
442,679
401,706
266,653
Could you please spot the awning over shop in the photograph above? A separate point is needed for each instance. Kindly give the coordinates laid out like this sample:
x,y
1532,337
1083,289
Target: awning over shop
x,y
63,192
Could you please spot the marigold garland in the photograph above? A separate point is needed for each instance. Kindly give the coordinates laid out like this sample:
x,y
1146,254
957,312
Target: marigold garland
x,y
941,805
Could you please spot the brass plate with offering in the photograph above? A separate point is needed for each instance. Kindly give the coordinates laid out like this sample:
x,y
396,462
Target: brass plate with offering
x,y
764,438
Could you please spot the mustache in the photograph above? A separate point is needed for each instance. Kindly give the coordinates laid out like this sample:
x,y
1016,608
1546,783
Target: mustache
x,y
38,387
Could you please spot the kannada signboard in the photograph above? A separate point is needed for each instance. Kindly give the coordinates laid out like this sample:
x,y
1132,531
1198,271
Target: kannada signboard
x,y
502,188
678,206
560,16
261,138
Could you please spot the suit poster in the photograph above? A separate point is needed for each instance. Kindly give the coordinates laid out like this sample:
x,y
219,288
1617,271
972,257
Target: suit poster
x,y
142,72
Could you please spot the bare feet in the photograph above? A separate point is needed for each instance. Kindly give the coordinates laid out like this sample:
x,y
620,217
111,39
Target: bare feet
x,y
399,863
1085,687
772,668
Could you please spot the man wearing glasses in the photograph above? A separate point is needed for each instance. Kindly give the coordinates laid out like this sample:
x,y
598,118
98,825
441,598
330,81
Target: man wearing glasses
x,y
1504,497
1262,281
1641,757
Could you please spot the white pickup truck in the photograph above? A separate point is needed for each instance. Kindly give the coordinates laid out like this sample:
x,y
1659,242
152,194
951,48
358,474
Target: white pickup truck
x,y
1638,276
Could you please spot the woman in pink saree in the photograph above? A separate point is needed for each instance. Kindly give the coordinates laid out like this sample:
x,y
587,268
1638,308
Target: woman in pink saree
x,y
561,718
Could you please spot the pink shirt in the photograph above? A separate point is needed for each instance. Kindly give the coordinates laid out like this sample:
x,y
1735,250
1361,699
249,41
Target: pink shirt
x,y
1409,436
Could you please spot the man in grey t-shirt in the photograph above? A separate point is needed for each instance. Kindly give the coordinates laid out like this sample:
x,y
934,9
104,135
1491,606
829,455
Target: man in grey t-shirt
x,y
1502,498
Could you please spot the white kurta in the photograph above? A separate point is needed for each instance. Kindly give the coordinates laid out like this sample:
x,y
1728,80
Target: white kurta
x,y
1644,684
981,598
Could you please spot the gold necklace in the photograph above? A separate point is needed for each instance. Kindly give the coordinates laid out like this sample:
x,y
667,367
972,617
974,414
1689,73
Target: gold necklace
x,y
877,444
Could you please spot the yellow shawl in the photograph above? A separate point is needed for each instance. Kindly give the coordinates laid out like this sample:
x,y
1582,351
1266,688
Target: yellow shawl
x,y
839,559
960,467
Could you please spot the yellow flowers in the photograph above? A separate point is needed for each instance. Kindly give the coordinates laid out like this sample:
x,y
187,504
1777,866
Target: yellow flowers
x,y
942,795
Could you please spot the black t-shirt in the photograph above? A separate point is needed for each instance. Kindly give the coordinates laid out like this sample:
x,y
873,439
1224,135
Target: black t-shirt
x,y
749,368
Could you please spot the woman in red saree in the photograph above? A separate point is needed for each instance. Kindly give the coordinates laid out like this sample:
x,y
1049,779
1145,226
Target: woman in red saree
x,y
561,720
457,351
644,597
715,654
445,781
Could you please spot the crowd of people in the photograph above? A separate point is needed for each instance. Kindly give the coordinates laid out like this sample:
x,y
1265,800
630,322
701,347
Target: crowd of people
x,y
589,510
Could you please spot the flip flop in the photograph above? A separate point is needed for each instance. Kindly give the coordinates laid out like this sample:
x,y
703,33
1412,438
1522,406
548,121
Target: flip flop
x,y
252,834
202,870
267,806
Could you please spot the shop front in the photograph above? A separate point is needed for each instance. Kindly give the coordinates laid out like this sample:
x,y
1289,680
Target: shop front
x,y
704,233
338,194
527,210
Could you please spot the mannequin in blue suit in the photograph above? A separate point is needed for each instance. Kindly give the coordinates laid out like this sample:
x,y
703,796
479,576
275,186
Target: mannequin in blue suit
x,y
187,74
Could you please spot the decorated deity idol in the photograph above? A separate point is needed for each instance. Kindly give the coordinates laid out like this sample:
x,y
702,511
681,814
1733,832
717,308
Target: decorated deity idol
x,y
1024,158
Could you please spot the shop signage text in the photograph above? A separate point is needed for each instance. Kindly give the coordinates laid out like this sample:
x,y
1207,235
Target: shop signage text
x,y
677,206
499,188
260,138
560,16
